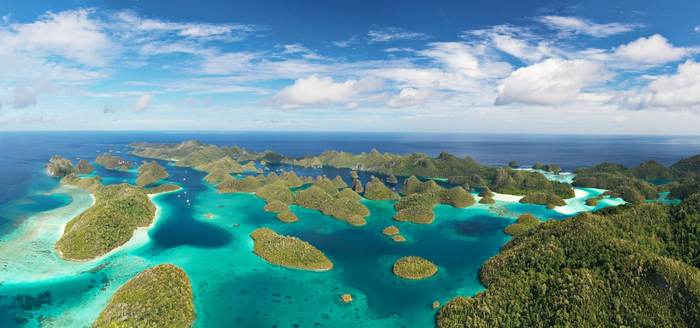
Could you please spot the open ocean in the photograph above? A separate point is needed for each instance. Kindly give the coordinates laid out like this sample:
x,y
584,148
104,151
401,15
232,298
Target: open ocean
x,y
231,284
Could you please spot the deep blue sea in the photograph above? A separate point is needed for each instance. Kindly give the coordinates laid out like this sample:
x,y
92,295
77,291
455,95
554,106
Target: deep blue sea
x,y
231,284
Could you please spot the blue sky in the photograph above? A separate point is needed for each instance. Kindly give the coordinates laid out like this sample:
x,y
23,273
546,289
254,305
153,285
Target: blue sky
x,y
601,67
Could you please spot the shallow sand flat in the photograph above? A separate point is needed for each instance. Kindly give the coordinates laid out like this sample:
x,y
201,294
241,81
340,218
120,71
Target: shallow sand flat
x,y
506,198
29,255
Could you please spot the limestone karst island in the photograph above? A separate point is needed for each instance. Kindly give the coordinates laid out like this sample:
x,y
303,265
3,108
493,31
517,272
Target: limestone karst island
x,y
366,164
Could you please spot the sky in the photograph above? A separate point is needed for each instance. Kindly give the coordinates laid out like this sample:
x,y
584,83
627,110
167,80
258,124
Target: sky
x,y
517,66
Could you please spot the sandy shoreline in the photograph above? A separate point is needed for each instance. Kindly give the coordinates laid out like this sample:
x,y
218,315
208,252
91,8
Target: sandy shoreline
x,y
507,198
153,223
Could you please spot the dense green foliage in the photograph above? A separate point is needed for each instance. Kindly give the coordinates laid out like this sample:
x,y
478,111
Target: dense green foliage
x,y
338,182
118,211
631,265
276,206
91,184
525,222
356,186
445,166
617,178
651,170
288,251
686,165
684,187
157,297
593,201
327,185
414,267
474,180
392,179
150,173
487,200
276,192
543,199
412,185
349,194
83,167
59,167
287,217
217,175
113,162
247,184
518,182
418,207
554,168
390,231
312,198
376,190
166,187
195,153
345,209
226,164
486,192
513,164
353,175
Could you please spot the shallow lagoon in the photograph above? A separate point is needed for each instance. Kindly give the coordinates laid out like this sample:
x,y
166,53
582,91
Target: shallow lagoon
x,y
230,283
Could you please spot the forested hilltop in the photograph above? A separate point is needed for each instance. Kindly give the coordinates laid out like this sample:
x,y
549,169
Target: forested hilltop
x,y
446,166
636,265
111,221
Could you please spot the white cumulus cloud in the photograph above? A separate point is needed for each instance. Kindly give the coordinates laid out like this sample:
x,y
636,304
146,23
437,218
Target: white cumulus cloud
x,y
652,50
71,34
680,90
550,82
411,96
317,91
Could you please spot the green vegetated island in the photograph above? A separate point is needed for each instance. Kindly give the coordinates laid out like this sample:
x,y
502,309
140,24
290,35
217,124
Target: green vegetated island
x,y
288,251
157,297
632,265
111,221
414,268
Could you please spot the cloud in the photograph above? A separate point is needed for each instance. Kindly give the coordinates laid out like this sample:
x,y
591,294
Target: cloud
x,y
516,41
194,30
298,48
316,91
681,90
346,43
581,26
108,108
228,63
71,34
389,34
23,97
550,82
34,119
194,102
455,56
412,97
43,85
143,103
652,50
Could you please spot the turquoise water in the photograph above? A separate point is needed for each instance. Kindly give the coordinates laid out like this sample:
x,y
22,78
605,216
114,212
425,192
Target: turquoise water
x,y
232,286
230,283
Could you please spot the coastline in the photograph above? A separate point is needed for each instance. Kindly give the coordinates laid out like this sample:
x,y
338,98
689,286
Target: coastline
x,y
133,238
